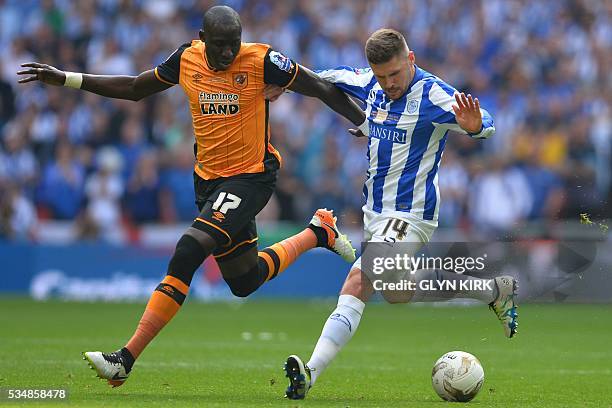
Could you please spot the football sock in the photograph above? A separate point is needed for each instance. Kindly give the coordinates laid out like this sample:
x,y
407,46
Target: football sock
x,y
277,257
338,330
169,295
128,359
320,234
165,301
465,286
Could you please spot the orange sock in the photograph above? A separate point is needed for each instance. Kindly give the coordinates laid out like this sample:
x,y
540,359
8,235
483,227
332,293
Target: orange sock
x,y
165,301
280,255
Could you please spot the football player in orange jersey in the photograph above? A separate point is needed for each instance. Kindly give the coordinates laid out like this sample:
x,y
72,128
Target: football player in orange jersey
x,y
235,169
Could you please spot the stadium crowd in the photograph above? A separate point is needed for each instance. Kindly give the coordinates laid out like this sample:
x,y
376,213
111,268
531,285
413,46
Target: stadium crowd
x,y
538,66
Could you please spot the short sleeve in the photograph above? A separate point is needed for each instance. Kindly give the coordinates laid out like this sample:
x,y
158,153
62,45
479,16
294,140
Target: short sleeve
x,y
356,82
169,70
279,69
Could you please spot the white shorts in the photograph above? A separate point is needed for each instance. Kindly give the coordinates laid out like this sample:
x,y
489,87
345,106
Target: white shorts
x,y
395,227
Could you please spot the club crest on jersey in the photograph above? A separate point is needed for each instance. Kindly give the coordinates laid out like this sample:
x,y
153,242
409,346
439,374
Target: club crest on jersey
x,y
283,63
240,80
389,133
412,106
219,103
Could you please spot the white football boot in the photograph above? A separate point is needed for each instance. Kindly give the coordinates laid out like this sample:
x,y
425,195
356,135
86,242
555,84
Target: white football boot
x,y
504,304
108,366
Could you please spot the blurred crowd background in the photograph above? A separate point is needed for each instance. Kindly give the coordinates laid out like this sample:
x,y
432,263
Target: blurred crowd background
x,y
538,66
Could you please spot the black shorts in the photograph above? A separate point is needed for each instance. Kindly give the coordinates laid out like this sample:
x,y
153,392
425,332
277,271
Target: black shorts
x,y
228,207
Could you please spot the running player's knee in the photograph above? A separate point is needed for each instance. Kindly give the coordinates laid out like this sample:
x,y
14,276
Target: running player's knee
x,y
241,290
187,257
397,296
205,240
244,285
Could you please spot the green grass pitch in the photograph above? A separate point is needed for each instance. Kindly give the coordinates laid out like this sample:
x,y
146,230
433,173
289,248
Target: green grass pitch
x,y
231,354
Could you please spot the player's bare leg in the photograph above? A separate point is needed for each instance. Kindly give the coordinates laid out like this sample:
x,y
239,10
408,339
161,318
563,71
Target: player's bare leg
x,y
499,293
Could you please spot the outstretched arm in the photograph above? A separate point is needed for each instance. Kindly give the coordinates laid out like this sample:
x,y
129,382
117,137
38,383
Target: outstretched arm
x,y
285,73
273,92
308,83
128,87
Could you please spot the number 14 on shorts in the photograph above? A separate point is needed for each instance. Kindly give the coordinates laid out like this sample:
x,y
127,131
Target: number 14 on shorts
x,y
399,226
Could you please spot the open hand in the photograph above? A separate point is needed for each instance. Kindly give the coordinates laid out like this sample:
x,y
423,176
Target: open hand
x,y
467,113
41,72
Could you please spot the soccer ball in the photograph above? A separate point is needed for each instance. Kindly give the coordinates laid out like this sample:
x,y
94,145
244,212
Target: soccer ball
x,y
457,376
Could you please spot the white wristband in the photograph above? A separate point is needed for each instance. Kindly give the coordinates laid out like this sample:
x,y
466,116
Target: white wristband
x,y
73,79
365,127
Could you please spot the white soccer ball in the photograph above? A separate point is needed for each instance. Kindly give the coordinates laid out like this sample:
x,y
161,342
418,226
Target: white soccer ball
x,y
457,376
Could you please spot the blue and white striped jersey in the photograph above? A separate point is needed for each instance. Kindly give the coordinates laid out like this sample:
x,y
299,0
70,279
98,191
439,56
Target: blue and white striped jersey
x,y
407,138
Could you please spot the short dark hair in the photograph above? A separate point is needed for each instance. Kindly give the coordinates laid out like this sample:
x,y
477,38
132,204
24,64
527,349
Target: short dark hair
x,y
383,45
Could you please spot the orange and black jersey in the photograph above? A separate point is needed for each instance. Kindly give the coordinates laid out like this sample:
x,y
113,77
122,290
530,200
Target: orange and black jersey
x,y
230,114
